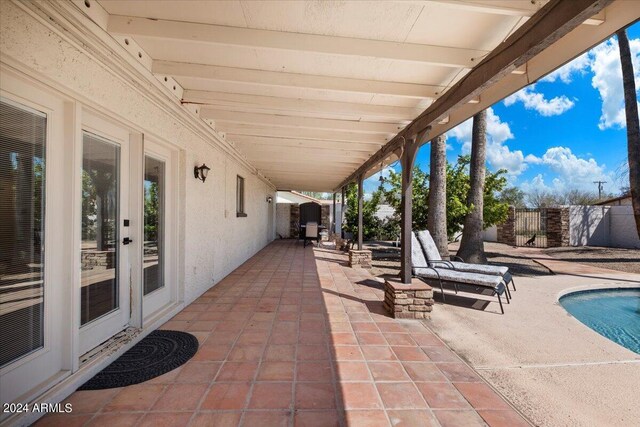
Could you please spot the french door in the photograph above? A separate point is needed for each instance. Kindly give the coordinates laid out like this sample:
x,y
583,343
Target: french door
x,y
33,282
105,279
158,283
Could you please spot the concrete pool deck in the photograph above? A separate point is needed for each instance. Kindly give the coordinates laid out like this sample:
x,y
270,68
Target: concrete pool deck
x,y
553,368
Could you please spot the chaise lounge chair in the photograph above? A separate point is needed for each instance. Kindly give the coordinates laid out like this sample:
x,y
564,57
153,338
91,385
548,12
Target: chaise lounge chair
x,y
425,272
434,259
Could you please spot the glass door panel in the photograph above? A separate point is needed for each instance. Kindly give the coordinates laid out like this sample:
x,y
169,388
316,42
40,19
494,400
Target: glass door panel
x,y
99,254
22,185
154,190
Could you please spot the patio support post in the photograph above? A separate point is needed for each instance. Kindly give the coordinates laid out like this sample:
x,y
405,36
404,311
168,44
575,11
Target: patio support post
x,y
407,159
334,222
360,195
342,202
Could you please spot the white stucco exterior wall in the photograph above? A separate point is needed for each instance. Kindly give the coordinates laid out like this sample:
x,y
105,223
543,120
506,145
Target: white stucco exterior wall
x,y
612,226
623,226
490,234
589,225
212,240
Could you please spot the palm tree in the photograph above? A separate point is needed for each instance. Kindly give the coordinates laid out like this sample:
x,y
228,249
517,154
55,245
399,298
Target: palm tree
x,y
633,125
472,245
437,215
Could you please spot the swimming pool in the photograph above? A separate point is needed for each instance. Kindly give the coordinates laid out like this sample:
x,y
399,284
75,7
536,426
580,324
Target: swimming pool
x,y
613,313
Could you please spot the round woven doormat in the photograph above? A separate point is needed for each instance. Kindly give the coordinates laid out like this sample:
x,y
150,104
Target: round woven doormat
x,y
156,354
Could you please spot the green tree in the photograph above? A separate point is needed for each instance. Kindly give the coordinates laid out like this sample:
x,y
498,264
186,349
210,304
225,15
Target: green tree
x,y
151,205
513,196
370,223
420,196
495,211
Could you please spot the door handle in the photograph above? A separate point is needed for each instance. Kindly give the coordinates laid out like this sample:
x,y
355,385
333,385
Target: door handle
x,y
126,241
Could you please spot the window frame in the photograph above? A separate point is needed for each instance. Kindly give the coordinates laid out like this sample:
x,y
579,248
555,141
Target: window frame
x,y
240,199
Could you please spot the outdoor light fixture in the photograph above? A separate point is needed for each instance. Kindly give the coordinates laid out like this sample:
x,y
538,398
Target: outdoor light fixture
x,y
269,199
201,172
381,179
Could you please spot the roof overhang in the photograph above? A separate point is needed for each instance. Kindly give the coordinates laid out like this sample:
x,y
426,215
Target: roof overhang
x,y
314,94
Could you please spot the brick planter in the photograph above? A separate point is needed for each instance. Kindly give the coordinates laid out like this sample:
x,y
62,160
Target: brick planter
x,y
360,258
408,301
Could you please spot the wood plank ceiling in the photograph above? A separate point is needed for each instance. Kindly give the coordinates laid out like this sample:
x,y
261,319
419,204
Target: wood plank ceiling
x,y
310,90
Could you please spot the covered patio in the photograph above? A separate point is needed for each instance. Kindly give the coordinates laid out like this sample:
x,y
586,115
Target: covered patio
x,y
217,105
296,337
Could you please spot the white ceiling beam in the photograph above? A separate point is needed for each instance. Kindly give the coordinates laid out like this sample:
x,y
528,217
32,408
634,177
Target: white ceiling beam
x,y
299,42
524,8
497,7
260,141
324,165
257,103
307,81
302,155
301,133
221,116
284,168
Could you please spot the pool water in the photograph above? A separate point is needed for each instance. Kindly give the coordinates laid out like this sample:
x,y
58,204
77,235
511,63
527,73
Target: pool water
x,y
613,313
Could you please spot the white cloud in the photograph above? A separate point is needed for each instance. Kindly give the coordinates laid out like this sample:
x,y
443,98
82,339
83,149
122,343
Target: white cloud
x,y
533,100
565,73
572,171
607,80
385,172
536,184
499,155
604,62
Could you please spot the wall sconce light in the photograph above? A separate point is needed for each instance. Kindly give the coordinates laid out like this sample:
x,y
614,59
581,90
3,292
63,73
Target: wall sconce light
x,y
201,172
269,199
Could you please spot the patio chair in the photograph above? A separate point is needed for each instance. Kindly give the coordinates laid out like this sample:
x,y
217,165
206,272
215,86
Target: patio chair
x,y
422,270
433,258
311,232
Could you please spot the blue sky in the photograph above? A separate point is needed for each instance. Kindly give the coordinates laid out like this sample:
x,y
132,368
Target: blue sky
x,y
563,132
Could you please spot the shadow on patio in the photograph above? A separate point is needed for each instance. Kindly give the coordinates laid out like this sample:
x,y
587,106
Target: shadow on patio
x,y
293,337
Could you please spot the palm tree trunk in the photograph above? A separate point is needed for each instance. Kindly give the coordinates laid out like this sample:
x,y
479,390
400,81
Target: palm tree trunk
x,y
633,125
437,218
472,245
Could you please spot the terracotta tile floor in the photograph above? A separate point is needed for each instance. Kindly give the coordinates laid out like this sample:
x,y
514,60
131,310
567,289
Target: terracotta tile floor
x,y
294,337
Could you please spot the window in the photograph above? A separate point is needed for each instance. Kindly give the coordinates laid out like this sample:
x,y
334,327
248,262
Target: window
x,y
154,188
240,196
23,133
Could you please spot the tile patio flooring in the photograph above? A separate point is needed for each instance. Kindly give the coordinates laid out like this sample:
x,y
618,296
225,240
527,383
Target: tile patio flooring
x,y
295,337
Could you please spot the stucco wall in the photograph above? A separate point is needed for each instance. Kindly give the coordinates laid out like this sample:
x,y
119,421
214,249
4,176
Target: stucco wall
x,y
213,241
490,234
623,225
612,226
589,225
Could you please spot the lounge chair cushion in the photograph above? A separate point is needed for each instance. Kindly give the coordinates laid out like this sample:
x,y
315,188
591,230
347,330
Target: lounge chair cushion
x,y
479,268
417,256
449,275
431,251
429,246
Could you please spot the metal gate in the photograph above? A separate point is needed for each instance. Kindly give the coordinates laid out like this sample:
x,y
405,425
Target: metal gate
x,y
531,227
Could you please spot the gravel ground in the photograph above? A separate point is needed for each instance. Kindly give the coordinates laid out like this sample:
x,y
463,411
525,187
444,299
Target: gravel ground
x,y
386,259
626,260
